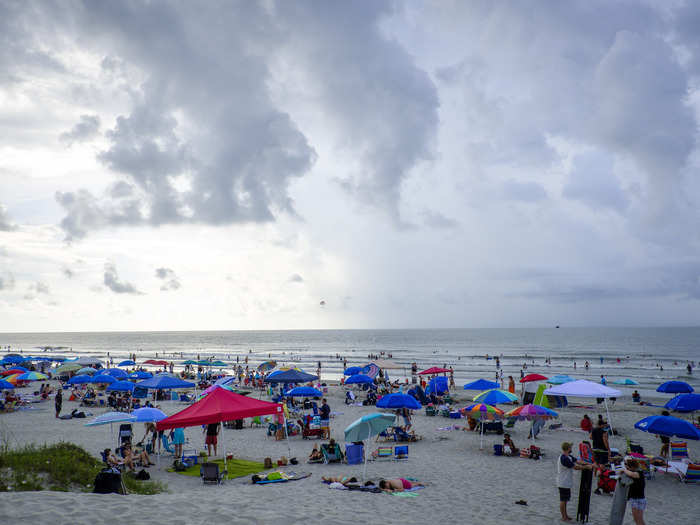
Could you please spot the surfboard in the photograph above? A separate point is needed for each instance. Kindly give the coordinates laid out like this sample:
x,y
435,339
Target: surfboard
x,y
619,503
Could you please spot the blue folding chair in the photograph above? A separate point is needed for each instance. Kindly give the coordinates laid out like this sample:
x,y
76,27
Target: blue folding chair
x,y
401,452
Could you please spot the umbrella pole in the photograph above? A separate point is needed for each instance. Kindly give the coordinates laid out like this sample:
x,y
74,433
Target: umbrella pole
x,y
607,413
481,440
223,442
286,435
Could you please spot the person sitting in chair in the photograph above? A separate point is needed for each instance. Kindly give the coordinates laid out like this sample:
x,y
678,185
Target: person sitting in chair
x,y
131,458
315,454
509,448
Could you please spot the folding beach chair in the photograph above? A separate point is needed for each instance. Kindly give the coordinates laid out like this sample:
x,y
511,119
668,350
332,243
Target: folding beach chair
x,y
679,450
126,432
692,475
383,453
331,454
401,452
211,473
354,454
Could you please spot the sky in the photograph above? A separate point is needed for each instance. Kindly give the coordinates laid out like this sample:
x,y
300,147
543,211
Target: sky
x,y
319,164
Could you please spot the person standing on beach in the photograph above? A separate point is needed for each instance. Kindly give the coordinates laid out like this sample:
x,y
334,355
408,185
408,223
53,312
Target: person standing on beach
x,y
599,439
212,431
635,496
566,464
325,416
511,385
59,401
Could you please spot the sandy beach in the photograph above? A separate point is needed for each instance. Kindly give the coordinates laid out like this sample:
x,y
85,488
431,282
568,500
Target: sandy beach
x,y
465,483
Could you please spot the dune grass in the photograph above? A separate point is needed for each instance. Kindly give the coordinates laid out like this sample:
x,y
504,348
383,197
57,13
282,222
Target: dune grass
x,y
237,468
62,467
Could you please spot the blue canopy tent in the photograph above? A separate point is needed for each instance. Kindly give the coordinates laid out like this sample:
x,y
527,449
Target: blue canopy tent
x,y
481,384
437,386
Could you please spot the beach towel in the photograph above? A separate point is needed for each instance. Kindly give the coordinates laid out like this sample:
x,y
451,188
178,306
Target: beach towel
x,y
283,477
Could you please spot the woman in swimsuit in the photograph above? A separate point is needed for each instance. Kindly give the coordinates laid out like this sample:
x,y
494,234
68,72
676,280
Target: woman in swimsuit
x,y
397,484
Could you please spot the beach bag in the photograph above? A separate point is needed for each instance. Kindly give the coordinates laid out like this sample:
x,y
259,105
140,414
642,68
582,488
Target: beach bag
x,y
107,482
179,466
535,452
498,450
142,475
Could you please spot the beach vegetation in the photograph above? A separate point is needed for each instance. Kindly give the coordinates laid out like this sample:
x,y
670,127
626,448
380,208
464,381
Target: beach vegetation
x,y
61,466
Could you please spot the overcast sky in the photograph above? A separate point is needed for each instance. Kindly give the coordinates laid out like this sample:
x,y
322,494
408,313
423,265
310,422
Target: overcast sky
x,y
337,164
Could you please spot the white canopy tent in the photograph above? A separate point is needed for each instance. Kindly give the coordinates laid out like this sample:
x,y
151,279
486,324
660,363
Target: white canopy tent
x,y
584,388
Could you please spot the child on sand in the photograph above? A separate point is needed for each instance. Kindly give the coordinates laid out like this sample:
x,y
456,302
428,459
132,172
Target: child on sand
x,y
565,477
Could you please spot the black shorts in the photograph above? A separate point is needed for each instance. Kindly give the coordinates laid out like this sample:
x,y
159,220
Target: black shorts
x,y
564,494
601,457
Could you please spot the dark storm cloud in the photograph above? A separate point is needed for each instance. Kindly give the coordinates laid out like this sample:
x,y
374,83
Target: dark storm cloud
x,y
111,280
86,129
170,280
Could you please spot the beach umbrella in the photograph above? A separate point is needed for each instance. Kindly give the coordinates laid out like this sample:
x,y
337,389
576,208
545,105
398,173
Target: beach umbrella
x,y
189,362
218,364
14,370
353,370
87,370
684,403
202,362
668,426
366,427
13,359
67,367
79,380
4,385
290,376
140,374
121,386
399,400
626,381
434,370
87,361
358,379
482,412
560,379
267,365
495,397
303,391
481,384
675,387
163,382
531,413
32,376
110,417
127,362
103,378
533,377
116,372
148,415
12,379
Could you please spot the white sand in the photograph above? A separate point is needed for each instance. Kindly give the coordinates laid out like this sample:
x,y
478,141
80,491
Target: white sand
x,y
466,484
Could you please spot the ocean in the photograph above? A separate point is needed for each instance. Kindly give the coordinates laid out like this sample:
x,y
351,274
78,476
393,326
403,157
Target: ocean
x,y
647,355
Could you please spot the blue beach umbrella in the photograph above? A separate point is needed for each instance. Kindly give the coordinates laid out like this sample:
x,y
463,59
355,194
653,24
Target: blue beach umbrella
x,y
189,362
675,387
303,391
164,382
116,372
79,380
126,362
626,381
366,427
399,400
140,374
560,379
148,414
668,426
353,370
121,386
4,385
32,376
358,379
684,403
481,384
19,368
103,378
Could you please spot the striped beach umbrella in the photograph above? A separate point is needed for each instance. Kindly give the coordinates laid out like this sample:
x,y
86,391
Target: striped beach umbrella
x,y
482,411
532,413
32,376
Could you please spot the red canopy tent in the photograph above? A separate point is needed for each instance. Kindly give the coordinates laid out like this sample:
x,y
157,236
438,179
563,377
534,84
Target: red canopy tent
x,y
533,377
155,362
434,370
220,405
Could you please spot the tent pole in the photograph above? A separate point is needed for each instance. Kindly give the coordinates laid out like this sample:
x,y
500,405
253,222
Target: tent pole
x,y
607,413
